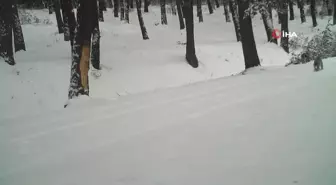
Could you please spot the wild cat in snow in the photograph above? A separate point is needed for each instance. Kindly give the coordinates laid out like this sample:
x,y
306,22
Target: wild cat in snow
x,y
318,64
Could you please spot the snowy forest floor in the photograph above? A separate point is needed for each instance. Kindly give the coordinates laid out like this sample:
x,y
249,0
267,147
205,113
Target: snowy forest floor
x,y
270,127
39,82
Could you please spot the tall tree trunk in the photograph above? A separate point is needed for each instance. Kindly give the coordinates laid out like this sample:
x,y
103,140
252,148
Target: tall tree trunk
x,y
101,4
267,22
122,10
19,43
6,31
173,7
146,5
50,6
109,3
127,11
313,12
87,15
67,8
302,12
291,10
247,36
226,10
131,4
163,12
210,7
334,22
66,23
180,14
284,24
199,11
116,8
190,48
141,21
329,7
95,53
235,17
217,3
57,8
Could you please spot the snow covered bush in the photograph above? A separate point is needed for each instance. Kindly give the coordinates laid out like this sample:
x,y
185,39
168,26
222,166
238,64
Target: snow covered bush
x,y
322,44
27,17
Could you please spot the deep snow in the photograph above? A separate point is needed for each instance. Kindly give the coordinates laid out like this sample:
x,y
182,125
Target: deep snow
x,y
274,126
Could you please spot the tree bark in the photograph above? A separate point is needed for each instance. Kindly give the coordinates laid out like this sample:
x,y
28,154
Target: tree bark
x,y
302,13
101,4
146,5
6,32
109,3
19,43
313,12
267,20
247,36
116,8
226,10
66,23
50,6
95,53
87,15
217,3
127,11
57,8
199,11
210,7
122,10
141,21
163,12
190,48
291,10
329,7
334,22
180,14
284,24
235,17
67,8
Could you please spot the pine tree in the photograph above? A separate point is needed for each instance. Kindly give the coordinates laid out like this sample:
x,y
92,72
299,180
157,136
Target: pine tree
x,y
247,36
199,11
284,24
190,48
267,20
235,17
141,21
302,13
163,12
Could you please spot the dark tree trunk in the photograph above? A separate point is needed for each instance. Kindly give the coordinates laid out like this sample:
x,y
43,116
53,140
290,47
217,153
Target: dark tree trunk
x,y
146,5
173,7
66,22
95,53
313,12
127,11
217,3
6,31
329,7
101,10
57,8
131,4
116,8
69,15
226,10
163,12
180,14
50,6
267,22
247,36
19,43
141,21
122,10
334,22
291,10
235,17
199,11
302,12
190,48
109,4
210,7
284,24
87,15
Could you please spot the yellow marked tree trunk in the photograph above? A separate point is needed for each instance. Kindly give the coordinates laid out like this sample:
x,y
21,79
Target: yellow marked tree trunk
x,y
84,65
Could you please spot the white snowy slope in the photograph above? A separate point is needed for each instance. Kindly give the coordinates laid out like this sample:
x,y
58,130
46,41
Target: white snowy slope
x,y
269,127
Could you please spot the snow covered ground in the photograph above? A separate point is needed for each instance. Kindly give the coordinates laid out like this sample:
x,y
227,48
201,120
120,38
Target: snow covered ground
x,y
39,81
270,127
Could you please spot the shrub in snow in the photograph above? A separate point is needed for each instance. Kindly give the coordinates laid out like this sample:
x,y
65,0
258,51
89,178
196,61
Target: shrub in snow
x,y
322,44
27,17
